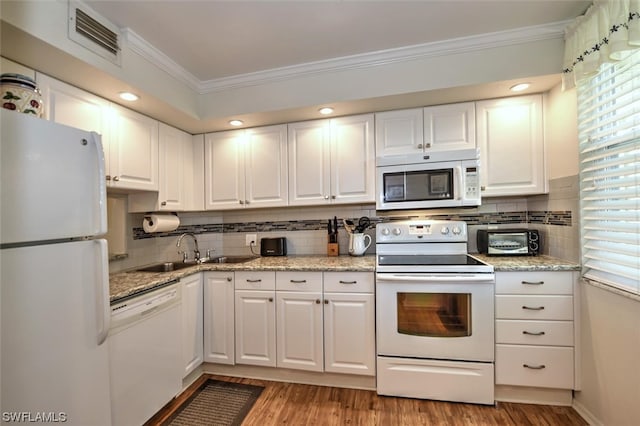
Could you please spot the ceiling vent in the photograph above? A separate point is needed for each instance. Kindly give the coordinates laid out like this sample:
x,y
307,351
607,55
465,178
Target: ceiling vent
x,y
90,30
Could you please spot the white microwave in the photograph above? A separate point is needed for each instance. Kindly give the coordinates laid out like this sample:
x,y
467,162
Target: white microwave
x,y
441,179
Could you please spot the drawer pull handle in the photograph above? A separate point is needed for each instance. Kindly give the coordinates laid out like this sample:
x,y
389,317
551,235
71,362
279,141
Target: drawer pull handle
x,y
298,281
539,333
534,367
254,281
532,283
537,308
348,282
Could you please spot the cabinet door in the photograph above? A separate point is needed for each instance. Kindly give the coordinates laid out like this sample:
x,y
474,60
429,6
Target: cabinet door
x,y
192,306
74,107
174,147
353,159
510,137
219,317
133,151
224,170
349,333
266,167
450,127
255,327
309,162
399,132
299,330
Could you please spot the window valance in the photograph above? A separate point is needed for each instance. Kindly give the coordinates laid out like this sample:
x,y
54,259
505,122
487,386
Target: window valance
x,y
607,32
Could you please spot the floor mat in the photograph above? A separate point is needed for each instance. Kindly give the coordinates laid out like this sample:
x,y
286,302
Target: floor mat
x,y
216,403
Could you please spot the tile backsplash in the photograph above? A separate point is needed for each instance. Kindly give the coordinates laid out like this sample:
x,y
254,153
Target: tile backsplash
x,y
305,228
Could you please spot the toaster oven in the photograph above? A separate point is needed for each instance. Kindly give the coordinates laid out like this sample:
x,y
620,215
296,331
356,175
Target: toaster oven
x,y
508,242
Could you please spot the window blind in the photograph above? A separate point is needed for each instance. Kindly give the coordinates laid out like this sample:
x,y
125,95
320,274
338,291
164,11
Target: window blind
x,y
609,140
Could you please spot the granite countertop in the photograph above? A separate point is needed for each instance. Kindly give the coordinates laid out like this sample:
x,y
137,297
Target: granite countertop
x,y
527,263
125,284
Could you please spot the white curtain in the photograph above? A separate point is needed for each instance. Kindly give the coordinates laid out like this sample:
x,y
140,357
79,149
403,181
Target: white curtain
x,y
607,32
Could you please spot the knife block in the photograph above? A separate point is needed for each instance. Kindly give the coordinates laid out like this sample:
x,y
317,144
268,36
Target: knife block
x,y
332,249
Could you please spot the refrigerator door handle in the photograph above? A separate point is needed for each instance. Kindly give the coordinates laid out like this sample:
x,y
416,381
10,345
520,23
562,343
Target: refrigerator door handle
x,y
102,184
102,292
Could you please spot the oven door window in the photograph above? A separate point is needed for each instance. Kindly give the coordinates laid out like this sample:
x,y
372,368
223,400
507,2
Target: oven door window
x,y
434,314
419,185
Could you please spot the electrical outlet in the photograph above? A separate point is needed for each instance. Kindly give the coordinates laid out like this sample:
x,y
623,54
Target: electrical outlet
x,y
251,238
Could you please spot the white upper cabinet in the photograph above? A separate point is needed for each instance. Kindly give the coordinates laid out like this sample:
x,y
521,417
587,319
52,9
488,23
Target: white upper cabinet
x,y
450,127
332,161
246,168
175,148
129,139
511,140
399,132
68,105
133,151
424,130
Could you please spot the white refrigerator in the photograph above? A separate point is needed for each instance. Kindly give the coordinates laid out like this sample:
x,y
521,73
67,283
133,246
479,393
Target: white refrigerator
x,y
54,288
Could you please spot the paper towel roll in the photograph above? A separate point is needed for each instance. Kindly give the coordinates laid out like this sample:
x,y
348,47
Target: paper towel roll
x,y
160,223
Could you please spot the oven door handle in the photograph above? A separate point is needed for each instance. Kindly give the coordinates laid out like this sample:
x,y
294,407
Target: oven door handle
x,y
435,278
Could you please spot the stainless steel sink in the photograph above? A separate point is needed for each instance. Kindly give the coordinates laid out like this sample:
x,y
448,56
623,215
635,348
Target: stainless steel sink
x,y
230,259
165,267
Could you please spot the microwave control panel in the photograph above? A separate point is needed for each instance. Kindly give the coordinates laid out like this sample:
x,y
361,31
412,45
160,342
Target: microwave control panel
x,y
472,183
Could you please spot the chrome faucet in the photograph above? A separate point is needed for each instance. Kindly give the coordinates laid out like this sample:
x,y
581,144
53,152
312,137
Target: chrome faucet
x,y
184,253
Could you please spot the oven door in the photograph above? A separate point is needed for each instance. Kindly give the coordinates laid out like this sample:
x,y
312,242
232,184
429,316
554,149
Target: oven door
x,y
439,316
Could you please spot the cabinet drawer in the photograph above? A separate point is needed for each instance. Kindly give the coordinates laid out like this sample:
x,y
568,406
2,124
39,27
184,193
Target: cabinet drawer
x,y
548,333
534,282
255,280
299,281
537,366
349,282
534,307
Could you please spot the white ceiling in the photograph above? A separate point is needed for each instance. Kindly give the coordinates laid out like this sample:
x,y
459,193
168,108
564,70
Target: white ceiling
x,y
218,39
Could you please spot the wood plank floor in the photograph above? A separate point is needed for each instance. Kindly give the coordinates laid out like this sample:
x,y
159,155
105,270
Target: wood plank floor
x,y
296,404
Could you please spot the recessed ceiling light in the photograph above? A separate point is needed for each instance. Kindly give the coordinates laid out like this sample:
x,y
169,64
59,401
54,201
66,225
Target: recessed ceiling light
x,y
128,96
520,87
236,122
325,110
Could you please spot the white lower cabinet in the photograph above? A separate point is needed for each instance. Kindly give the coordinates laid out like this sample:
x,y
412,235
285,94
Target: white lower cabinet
x,y
536,334
299,320
255,328
349,323
192,322
219,317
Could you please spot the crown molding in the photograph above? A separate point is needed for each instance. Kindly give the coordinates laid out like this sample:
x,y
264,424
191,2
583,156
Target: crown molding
x,y
474,43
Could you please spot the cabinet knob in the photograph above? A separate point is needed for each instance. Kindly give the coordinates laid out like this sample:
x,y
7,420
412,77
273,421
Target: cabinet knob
x,y
326,301
482,188
333,197
246,201
317,301
116,178
108,177
229,279
419,146
271,299
326,197
427,145
164,203
241,201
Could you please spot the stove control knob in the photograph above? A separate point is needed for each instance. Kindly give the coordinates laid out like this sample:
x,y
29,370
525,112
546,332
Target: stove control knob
x,y
396,231
385,231
444,231
456,230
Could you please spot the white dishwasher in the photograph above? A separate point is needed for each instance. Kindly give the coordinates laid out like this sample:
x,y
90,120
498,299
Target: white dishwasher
x,y
145,355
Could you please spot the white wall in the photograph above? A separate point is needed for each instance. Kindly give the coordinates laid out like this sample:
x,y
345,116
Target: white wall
x,y
561,133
